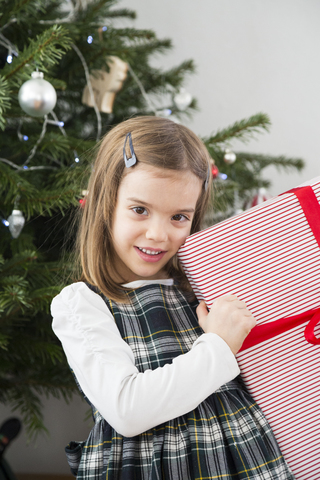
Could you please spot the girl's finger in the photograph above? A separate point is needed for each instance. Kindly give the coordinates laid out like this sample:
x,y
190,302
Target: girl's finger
x,y
202,310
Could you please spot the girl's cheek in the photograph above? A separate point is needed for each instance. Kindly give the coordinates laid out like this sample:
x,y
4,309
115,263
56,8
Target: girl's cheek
x,y
184,236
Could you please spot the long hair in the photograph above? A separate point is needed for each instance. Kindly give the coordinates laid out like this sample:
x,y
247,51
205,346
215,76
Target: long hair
x,y
158,142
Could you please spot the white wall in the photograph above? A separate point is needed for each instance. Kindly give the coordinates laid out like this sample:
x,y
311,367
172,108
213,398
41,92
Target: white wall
x,y
251,56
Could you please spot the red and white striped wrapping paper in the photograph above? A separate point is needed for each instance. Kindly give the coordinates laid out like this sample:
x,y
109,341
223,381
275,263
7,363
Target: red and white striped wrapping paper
x,y
269,257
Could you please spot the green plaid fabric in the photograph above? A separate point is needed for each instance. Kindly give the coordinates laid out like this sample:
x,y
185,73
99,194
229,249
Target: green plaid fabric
x,y
227,437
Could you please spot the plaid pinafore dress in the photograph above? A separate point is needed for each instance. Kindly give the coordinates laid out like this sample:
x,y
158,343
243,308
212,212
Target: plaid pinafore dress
x,y
226,437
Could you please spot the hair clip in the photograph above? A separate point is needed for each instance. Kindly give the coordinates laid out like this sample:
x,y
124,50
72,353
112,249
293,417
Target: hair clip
x,y
206,183
129,161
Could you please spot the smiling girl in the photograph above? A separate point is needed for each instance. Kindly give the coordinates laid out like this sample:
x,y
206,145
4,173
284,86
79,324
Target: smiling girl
x,y
158,370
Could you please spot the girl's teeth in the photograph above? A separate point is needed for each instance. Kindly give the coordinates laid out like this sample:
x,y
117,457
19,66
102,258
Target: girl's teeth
x,y
149,252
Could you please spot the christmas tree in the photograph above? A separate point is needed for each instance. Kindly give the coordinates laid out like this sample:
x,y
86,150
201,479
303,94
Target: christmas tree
x,y
91,76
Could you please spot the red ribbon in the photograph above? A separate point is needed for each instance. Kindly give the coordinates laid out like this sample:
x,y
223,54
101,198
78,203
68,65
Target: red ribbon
x,y
311,208
309,331
263,332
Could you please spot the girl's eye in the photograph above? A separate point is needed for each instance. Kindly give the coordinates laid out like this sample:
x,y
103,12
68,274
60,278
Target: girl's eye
x,y
179,217
140,210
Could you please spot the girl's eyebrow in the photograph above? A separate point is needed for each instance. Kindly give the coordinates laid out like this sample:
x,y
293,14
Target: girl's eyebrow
x,y
142,202
137,200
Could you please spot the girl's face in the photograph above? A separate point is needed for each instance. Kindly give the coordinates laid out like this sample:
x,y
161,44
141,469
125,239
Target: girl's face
x,y
152,219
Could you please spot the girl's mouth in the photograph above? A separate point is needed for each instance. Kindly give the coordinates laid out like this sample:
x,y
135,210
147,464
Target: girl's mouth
x,y
150,252
150,255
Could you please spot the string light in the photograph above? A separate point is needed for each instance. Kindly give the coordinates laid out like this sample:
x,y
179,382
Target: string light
x,y
87,74
42,134
20,135
12,49
76,158
5,222
22,138
90,39
166,112
56,122
223,176
144,93
104,29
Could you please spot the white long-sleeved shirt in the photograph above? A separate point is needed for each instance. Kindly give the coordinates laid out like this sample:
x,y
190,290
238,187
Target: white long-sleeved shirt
x,y
130,401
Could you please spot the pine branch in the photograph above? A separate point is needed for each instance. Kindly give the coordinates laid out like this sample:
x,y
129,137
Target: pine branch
x,y
44,52
19,9
47,202
29,405
4,100
259,161
101,9
137,49
41,298
23,392
14,296
132,34
121,13
176,75
242,130
33,200
156,80
11,184
4,340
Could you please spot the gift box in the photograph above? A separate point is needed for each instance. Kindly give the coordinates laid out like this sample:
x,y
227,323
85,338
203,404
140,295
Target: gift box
x,y
269,256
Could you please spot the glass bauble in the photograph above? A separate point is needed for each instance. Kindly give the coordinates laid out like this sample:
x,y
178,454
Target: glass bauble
x,y
37,97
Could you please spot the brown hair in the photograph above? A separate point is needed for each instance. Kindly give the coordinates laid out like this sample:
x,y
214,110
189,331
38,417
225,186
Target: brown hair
x,y
158,142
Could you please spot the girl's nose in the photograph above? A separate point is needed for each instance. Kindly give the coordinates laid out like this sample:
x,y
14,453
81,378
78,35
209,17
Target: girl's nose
x,y
156,232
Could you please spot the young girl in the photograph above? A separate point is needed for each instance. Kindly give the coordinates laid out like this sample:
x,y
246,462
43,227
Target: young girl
x,y
158,370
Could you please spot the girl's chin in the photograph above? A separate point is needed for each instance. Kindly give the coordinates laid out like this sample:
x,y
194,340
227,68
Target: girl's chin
x,y
146,274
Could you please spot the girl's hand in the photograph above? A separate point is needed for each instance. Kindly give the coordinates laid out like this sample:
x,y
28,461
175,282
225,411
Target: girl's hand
x,y
229,318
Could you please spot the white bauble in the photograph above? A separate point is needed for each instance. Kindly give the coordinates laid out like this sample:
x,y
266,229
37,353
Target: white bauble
x,y
37,97
16,222
229,156
182,99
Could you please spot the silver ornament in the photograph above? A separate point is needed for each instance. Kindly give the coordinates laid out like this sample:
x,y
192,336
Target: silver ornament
x,y
37,97
16,223
229,156
182,99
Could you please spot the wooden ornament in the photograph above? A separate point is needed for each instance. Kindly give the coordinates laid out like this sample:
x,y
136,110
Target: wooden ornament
x,y
105,84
